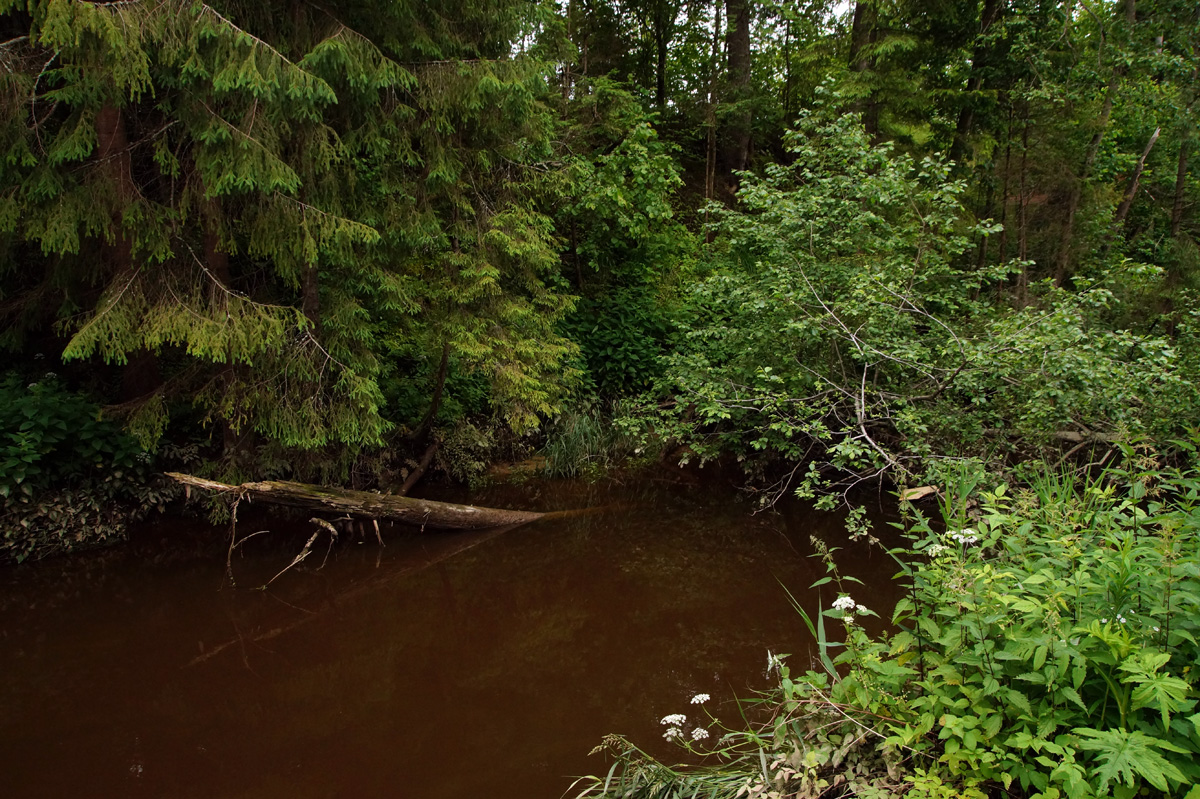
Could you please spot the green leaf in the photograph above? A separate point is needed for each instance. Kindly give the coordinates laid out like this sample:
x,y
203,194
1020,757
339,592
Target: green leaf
x,y
1163,692
1073,695
1126,755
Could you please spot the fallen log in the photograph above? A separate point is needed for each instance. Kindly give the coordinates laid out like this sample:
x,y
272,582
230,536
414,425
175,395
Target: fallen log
x,y
423,513
1083,438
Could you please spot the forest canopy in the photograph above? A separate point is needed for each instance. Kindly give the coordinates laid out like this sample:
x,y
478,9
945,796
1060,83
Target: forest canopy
x,y
830,240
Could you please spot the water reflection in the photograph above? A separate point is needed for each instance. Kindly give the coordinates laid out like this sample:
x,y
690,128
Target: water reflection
x,y
440,666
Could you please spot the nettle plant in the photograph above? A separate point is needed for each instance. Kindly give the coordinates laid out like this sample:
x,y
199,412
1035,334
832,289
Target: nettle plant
x,y
1050,647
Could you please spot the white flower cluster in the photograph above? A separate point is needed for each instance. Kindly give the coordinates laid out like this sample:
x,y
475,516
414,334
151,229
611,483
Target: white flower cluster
x,y
844,603
1120,619
936,549
676,721
700,699
965,536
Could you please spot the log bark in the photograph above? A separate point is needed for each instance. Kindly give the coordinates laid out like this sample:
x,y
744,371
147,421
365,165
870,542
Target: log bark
x,y
422,513
1083,438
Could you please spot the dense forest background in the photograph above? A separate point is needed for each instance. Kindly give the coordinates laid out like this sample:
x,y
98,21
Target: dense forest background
x,y
828,241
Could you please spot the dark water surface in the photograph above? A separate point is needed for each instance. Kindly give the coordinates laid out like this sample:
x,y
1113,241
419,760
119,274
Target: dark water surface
x,y
460,665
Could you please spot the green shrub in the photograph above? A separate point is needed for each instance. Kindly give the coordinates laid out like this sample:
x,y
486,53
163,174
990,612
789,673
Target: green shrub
x,y
68,479
621,337
1058,653
843,321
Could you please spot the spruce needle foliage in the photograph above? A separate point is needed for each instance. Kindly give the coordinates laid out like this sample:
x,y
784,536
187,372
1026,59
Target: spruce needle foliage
x,y
284,206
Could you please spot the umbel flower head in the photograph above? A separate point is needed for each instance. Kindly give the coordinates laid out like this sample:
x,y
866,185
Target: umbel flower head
x,y
965,536
844,603
700,699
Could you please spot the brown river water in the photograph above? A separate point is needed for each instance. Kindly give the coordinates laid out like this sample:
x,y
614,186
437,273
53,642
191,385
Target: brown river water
x,y
442,665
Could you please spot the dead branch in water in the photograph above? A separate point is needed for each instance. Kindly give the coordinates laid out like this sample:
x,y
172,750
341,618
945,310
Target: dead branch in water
x,y
367,586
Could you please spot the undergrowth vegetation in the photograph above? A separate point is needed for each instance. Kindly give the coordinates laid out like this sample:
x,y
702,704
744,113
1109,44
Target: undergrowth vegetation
x,y
586,442
841,329
1047,648
68,479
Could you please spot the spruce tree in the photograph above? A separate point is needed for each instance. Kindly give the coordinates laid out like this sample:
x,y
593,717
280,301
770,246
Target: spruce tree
x,y
275,209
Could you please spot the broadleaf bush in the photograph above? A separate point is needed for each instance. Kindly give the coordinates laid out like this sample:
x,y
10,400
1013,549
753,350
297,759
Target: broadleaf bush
x,y
843,322
68,478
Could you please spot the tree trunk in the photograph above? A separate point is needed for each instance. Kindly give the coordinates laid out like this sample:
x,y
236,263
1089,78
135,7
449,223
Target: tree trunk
x,y
861,30
311,299
566,65
1066,240
416,474
1186,133
140,376
421,513
981,257
422,431
1023,217
216,260
737,44
1004,191
966,116
664,28
1131,190
1174,275
1062,265
1181,173
787,72
710,119
864,31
